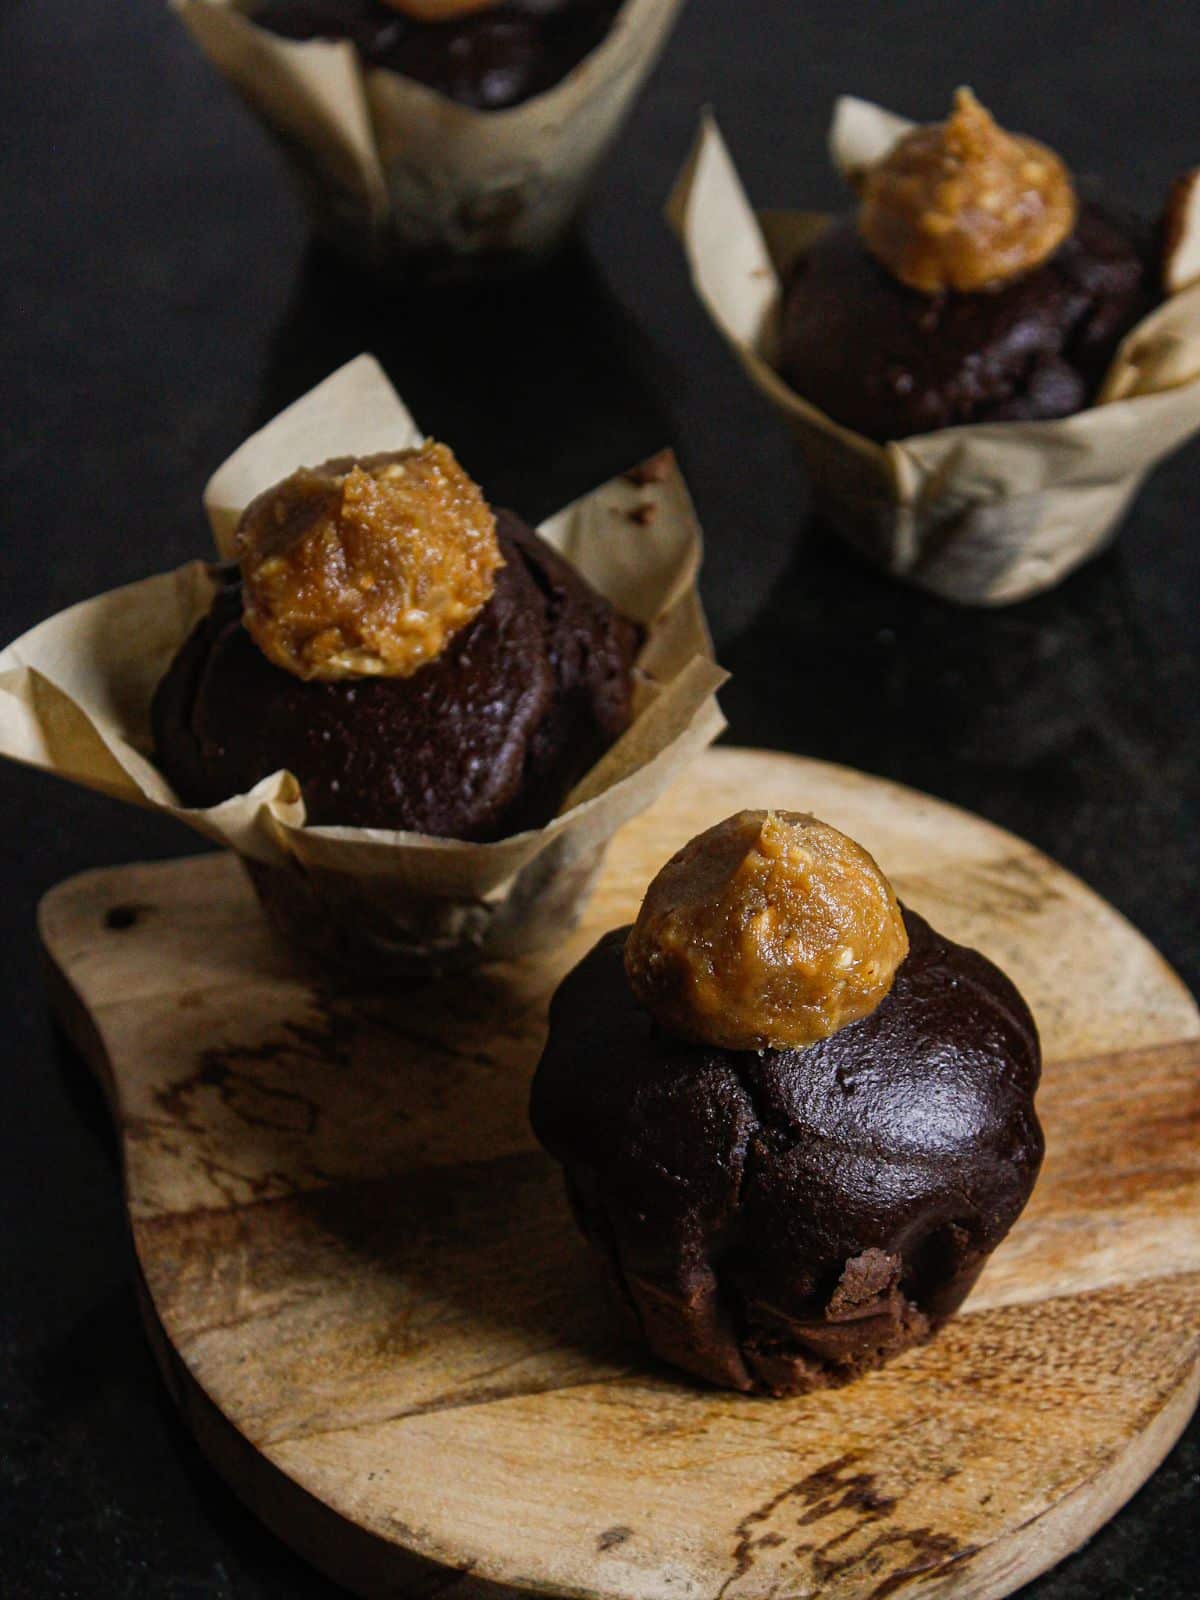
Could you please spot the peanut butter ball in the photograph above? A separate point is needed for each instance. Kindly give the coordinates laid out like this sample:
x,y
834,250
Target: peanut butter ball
x,y
367,568
770,930
962,205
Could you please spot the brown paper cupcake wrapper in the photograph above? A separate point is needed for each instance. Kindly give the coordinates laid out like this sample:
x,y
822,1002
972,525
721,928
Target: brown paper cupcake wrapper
x,y
984,514
396,173
75,697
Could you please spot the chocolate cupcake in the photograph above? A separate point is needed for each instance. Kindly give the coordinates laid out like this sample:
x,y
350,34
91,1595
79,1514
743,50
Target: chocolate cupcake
x,y
487,54
794,1119
414,661
980,367
972,286
438,712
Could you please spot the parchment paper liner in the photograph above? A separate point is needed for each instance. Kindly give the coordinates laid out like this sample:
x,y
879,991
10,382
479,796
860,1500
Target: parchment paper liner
x,y
75,696
983,514
395,173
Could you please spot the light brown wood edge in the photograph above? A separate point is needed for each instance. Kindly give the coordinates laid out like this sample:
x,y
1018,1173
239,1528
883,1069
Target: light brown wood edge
x,y
379,1569
1026,1552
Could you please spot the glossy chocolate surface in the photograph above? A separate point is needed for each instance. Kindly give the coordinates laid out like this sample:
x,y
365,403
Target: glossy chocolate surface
x,y
489,60
783,1219
888,361
479,744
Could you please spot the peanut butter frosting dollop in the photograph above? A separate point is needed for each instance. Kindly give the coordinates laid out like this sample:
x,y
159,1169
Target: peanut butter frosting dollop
x,y
964,205
366,568
769,930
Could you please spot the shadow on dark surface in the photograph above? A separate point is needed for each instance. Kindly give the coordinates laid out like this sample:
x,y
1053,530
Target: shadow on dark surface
x,y
154,1504
502,365
88,1405
1024,714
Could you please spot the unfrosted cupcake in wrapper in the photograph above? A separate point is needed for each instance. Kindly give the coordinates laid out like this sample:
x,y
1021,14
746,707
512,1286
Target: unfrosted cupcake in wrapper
x,y
417,721
972,364
418,176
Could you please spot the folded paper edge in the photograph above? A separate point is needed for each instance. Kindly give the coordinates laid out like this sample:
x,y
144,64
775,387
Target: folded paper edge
x,y
240,478
226,35
861,134
710,168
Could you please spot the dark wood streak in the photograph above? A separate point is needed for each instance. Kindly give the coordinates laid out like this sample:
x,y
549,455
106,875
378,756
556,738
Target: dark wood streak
x,y
120,918
1012,886
224,1068
465,1400
932,1551
829,1490
331,1041
817,1487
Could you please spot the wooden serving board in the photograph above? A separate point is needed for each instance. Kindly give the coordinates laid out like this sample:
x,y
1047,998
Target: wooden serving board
x,y
369,1299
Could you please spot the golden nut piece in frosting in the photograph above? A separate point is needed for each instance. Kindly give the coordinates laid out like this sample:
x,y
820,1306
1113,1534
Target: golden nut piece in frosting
x,y
771,930
963,205
366,568
440,10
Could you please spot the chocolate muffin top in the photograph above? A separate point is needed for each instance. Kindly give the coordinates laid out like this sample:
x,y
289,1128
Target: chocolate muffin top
x,y
781,1219
890,361
480,743
488,59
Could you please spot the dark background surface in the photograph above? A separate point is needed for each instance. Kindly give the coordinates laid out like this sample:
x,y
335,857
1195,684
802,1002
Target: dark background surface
x,y
159,301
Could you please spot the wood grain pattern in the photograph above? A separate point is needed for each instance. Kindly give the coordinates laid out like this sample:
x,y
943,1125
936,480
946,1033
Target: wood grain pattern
x,y
369,1299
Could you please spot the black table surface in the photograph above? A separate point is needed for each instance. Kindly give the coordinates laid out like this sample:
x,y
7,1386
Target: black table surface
x,y
160,300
